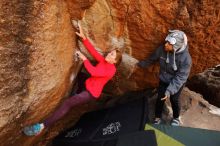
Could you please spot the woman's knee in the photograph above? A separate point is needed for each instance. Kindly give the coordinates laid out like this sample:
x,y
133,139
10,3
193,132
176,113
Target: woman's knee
x,y
68,102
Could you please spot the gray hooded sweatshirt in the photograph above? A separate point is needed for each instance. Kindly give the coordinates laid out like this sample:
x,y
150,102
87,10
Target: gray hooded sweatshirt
x,y
174,67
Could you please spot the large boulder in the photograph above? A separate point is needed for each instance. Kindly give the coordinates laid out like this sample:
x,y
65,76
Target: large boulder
x,y
142,25
37,44
36,48
207,83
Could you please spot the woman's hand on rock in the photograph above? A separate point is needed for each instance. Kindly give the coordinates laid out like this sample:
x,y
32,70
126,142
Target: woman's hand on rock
x,y
81,33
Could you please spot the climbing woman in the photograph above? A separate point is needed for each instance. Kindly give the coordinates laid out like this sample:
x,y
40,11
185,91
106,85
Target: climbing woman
x,y
100,74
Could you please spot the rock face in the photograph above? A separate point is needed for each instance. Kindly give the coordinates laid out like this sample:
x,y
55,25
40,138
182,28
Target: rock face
x,y
198,113
207,84
37,43
36,49
143,25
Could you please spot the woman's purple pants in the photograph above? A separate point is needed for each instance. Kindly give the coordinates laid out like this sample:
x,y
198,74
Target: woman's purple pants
x,y
80,98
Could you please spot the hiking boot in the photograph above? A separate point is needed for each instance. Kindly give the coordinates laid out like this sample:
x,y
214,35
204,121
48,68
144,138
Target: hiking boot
x,y
175,122
33,130
157,121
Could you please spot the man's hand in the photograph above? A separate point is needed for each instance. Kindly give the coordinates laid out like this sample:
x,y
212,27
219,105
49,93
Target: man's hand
x,y
80,55
80,33
164,98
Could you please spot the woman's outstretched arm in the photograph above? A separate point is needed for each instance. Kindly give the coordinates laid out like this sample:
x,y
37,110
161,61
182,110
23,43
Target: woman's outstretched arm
x,y
89,46
90,68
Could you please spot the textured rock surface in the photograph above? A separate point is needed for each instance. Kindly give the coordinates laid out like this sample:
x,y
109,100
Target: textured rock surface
x,y
143,25
207,84
37,44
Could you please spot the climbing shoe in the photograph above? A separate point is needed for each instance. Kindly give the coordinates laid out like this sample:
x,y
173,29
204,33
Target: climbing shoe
x,y
33,130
